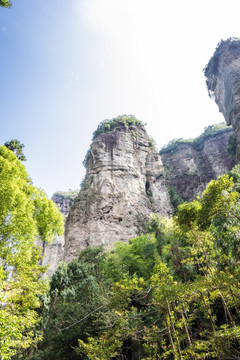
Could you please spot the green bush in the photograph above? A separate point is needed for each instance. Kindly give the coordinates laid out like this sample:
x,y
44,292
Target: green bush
x,y
197,143
111,124
232,145
175,197
71,194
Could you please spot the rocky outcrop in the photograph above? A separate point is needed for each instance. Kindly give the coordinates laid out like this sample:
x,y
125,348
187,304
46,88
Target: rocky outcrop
x,y
189,167
223,82
53,253
64,201
124,184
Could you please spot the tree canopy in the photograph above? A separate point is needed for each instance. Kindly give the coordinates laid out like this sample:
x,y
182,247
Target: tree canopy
x,y
25,215
17,148
5,3
172,293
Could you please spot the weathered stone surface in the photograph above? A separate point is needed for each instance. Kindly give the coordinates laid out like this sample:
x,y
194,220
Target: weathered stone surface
x,y
189,170
124,183
53,253
223,81
63,202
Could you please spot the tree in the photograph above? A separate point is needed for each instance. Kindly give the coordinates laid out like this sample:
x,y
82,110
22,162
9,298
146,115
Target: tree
x,y
137,256
17,148
72,307
25,215
5,3
171,294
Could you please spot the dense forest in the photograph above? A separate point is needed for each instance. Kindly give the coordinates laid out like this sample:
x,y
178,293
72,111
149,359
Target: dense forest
x,y
170,293
26,214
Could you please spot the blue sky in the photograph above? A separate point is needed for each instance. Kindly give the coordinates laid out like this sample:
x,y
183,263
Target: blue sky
x,y
66,66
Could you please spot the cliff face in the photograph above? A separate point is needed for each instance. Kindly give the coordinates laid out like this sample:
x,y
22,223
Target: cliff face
x,y
223,74
53,253
190,168
64,201
124,183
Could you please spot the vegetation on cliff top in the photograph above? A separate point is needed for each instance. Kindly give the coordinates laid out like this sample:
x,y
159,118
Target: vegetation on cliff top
x,y
211,69
172,293
197,143
70,195
109,125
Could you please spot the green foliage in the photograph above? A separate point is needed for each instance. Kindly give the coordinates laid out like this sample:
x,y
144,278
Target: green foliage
x,y
150,195
25,214
73,307
235,176
110,125
175,197
17,148
197,143
86,157
5,3
170,294
232,145
216,200
108,345
138,256
71,194
152,143
162,229
187,312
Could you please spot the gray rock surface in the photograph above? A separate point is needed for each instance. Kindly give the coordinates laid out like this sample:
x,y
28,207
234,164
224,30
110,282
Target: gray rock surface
x,y
53,253
223,81
189,170
63,201
124,184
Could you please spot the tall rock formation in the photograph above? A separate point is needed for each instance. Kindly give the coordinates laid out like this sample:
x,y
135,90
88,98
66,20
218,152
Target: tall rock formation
x,y
124,184
223,82
190,165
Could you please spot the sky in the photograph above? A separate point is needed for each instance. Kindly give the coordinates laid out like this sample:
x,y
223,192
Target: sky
x,y
67,66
